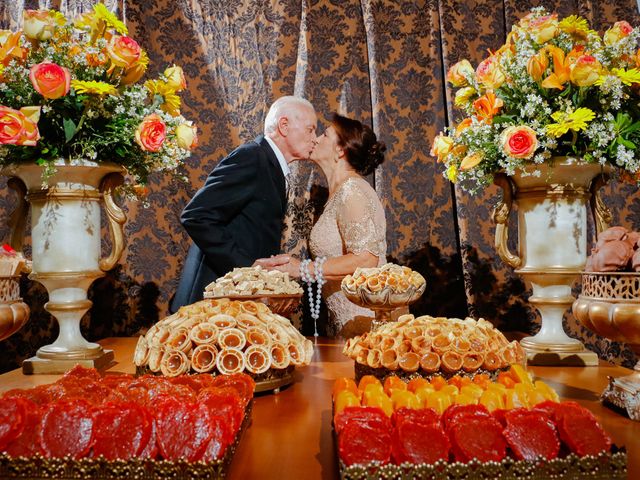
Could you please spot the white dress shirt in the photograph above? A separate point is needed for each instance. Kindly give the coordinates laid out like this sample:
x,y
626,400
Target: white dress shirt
x,y
281,160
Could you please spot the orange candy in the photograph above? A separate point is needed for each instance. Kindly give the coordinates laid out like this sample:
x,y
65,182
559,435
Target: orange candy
x,y
393,383
415,383
482,379
456,380
344,383
367,380
437,382
506,379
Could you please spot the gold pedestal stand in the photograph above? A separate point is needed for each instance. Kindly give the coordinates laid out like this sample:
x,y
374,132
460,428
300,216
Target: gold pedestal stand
x,y
609,305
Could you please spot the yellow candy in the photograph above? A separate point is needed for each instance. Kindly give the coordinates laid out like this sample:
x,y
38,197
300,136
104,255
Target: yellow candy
x,y
498,387
464,399
519,374
516,397
535,397
374,389
492,399
423,394
439,402
381,401
345,399
472,390
404,398
548,392
450,390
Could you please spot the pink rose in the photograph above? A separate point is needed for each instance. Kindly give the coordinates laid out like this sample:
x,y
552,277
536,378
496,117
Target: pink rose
x,y
123,51
519,141
50,80
490,74
19,127
151,133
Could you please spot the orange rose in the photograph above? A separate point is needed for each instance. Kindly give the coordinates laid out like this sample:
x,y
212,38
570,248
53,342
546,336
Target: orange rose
x,y
40,24
458,74
19,127
543,28
187,136
487,106
616,33
489,73
442,145
50,80
537,65
151,133
519,141
585,71
175,78
123,51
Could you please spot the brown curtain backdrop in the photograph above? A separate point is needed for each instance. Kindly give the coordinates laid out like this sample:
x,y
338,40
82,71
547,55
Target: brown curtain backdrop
x,y
380,61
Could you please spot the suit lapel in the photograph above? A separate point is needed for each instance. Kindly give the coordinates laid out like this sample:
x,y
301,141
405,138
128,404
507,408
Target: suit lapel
x,y
275,168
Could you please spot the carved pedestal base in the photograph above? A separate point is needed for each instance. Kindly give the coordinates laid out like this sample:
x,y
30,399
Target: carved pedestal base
x,y
624,393
36,365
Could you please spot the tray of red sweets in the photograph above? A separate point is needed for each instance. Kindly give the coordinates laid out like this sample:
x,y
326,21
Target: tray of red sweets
x,y
551,440
119,426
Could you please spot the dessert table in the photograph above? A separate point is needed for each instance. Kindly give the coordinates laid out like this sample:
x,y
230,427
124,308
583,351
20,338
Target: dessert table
x,y
290,436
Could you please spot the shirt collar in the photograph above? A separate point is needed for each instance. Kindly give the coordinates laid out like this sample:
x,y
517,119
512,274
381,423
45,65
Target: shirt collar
x,y
281,160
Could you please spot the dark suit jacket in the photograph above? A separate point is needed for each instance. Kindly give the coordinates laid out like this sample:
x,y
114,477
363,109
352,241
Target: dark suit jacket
x,y
234,219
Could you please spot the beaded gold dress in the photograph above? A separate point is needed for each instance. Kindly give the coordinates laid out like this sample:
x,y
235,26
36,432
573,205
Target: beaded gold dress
x,y
353,221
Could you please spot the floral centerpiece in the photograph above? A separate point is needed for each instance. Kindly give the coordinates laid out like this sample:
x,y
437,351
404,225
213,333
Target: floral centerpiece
x,y
70,90
555,88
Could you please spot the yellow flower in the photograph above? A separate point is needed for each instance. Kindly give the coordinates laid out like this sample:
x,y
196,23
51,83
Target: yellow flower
x,y
136,71
585,71
104,14
463,96
452,173
575,121
171,101
627,76
93,87
576,27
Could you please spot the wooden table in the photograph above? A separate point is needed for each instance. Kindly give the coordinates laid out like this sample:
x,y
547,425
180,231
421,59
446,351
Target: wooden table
x,y
290,436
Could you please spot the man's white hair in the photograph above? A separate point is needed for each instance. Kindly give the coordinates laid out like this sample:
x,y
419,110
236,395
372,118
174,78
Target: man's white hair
x,y
283,107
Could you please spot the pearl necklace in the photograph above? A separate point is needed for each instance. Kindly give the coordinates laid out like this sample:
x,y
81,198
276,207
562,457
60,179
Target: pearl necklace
x,y
306,277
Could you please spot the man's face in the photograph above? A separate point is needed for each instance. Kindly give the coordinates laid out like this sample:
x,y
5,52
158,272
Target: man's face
x,y
301,133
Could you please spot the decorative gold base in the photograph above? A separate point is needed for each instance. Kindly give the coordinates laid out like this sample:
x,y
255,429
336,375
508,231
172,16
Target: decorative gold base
x,y
624,393
274,384
41,366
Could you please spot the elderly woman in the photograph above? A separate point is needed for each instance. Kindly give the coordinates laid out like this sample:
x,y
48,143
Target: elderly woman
x,y
351,232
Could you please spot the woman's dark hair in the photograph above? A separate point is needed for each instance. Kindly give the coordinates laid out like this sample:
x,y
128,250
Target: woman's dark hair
x,y
363,150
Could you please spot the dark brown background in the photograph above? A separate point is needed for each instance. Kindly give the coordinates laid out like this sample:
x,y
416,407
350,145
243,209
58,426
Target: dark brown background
x,y
381,61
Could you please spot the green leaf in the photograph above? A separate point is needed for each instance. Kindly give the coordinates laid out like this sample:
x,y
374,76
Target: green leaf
x,y
69,129
626,143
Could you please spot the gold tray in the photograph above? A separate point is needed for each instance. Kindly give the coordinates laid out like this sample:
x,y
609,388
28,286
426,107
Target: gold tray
x,y
38,467
382,373
272,379
284,304
605,466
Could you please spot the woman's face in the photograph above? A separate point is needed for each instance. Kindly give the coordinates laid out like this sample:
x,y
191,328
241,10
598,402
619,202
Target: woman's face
x,y
326,147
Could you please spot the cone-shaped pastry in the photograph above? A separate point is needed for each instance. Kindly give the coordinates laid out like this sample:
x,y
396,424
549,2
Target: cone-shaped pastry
x,y
295,353
279,356
409,362
492,361
155,358
451,361
389,359
204,333
373,358
229,361
174,363
430,362
249,307
141,354
222,320
257,336
247,320
203,358
472,361
231,338
257,359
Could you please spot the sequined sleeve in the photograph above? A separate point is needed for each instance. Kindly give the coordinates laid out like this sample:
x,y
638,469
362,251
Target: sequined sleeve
x,y
356,216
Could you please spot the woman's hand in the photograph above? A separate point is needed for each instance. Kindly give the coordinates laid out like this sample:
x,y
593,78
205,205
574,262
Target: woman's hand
x,y
292,267
273,261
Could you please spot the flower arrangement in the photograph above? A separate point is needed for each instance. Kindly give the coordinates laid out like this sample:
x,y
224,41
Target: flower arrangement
x,y
69,90
555,88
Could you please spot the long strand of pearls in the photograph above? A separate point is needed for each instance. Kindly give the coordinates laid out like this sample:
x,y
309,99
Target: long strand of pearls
x,y
305,275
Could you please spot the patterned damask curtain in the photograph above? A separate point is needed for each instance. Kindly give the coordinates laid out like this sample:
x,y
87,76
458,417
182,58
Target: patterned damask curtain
x,y
382,61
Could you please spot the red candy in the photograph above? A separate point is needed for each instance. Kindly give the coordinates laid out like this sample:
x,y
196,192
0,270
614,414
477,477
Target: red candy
x,y
122,430
67,429
531,434
364,442
419,442
477,437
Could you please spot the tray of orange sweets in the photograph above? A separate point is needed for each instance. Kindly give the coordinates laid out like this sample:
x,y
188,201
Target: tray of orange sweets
x,y
467,428
118,426
426,346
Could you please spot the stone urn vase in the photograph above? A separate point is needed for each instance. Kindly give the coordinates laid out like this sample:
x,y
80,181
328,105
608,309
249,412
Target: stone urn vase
x,y
552,211
66,255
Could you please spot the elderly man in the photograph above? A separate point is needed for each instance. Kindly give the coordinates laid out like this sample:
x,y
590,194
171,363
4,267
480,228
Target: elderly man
x,y
237,216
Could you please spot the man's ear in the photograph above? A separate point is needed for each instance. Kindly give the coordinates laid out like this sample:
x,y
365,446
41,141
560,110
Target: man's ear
x,y
283,126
